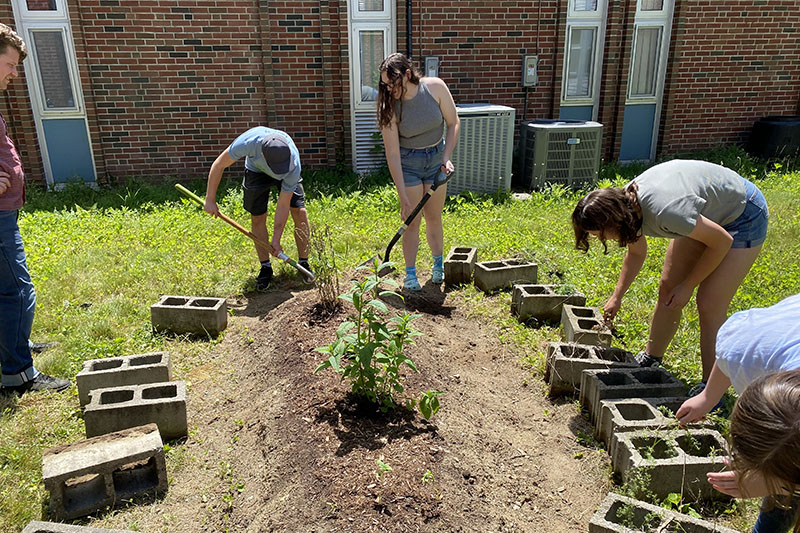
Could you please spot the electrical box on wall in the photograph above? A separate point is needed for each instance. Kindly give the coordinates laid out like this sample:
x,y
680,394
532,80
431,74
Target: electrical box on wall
x,y
432,66
530,71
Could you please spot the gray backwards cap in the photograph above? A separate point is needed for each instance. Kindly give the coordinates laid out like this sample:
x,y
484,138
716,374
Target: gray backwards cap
x,y
277,153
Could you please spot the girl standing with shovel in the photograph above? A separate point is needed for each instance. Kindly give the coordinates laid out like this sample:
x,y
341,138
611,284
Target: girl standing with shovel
x,y
412,112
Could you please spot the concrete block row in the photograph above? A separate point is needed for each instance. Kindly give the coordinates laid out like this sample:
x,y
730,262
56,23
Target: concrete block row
x,y
632,414
620,514
138,369
542,302
459,265
565,363
498,275
619,383
189,315
58,527
584,325
96,473
116,408
671,461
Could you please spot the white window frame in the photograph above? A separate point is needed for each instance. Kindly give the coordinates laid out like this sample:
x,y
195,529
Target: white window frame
x,y
585,20
58,14
641,13
37,94
386,13
659,74
652,19
386,28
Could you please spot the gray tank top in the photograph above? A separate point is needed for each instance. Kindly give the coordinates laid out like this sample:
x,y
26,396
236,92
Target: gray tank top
x,y
420,121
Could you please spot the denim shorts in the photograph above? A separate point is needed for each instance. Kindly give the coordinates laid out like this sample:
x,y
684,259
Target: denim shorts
x,y
750,229
256,186
421,165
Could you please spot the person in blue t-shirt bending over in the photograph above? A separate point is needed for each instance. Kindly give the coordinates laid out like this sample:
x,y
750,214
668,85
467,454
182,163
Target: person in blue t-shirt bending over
x,y
271,159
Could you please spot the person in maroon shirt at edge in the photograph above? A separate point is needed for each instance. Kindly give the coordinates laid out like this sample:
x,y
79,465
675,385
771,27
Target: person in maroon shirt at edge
x,y
17,298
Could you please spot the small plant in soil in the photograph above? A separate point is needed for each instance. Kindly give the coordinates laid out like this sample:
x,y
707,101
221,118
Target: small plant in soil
x,y
327,272
368,350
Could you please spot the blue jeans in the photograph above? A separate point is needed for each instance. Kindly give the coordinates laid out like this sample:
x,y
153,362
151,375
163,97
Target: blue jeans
x,y
777,520
421,165
750,228
17,302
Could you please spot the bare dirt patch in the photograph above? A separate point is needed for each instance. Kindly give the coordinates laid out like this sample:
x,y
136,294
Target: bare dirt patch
x,y
275,447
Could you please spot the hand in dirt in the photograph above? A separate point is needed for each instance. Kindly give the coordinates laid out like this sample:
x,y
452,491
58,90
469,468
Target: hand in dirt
x,y
727,482
694,409
610,310
211,207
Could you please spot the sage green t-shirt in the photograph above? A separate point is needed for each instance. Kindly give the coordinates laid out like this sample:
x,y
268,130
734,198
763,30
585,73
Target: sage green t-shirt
x,y
675,193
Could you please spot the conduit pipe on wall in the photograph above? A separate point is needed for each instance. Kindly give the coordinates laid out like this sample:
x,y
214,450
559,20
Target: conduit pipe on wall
x,y
408,28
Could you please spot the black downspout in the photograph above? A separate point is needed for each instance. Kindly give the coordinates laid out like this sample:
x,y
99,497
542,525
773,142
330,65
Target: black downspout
x,y
408,28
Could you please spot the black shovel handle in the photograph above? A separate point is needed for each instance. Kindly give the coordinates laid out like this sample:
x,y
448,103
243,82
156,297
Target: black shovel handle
x,y
436,183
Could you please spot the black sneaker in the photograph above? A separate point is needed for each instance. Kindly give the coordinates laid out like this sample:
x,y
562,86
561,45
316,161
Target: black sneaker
x,y
40,382
264,278
39,347
644,359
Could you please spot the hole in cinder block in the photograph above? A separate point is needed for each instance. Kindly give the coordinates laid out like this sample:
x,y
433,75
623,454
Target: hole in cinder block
x,y
576,352
535,289
493,264
651,376
146,360
613,379
84,493
584,312
134,478
462,250
632,516
700,445
203,302
116,396
157,393
585,323
653,448
105,365
458,257
516,262
635,411
175,301
613,354
678,526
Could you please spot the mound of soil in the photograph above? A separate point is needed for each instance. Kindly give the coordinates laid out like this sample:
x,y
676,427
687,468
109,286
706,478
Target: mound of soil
x,y
275,447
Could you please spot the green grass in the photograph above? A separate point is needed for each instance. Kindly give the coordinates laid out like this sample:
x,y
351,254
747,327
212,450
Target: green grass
x,y
99,259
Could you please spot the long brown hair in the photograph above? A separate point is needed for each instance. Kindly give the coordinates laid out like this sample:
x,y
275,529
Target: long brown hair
x,y
765,434
395,66
603,209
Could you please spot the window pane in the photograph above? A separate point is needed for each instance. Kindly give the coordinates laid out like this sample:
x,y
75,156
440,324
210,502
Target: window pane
x,y
42,5
371,54
645,62
53,72
370,5
581,62
652,5
585,5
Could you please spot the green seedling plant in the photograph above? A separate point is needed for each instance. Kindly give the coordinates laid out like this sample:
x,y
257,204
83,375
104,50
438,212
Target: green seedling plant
x,y
369,348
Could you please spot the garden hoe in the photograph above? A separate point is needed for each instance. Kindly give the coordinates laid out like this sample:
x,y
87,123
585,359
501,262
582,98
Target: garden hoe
x,y
441,179
307,275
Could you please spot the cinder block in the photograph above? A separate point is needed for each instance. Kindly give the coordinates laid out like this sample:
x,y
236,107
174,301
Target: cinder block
x,y
96,473
138,369
632,414
117,408
491,276
189,314
566,362
58,527
459,264
614,384
541,302
620,514
584,325
674,461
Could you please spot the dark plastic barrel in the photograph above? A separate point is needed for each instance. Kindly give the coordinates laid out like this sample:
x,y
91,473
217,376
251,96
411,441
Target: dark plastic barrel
x,y
775,137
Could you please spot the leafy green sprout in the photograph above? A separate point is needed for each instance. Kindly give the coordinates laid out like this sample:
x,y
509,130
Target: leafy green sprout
x,y
383,468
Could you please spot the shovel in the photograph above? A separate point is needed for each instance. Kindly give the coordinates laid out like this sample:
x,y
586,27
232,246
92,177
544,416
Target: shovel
x,y
441,179
307,275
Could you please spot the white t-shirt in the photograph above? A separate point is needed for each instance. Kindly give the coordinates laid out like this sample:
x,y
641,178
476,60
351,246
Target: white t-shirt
x,y
760,341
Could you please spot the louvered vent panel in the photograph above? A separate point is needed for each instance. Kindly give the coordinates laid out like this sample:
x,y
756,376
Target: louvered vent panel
x,y
366,127
560,152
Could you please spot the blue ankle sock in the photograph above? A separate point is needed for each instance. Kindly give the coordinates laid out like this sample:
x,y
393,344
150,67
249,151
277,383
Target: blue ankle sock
x,y
411,271
266,263
438,261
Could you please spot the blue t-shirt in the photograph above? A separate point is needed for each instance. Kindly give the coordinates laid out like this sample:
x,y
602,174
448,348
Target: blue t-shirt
x,y
248,145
